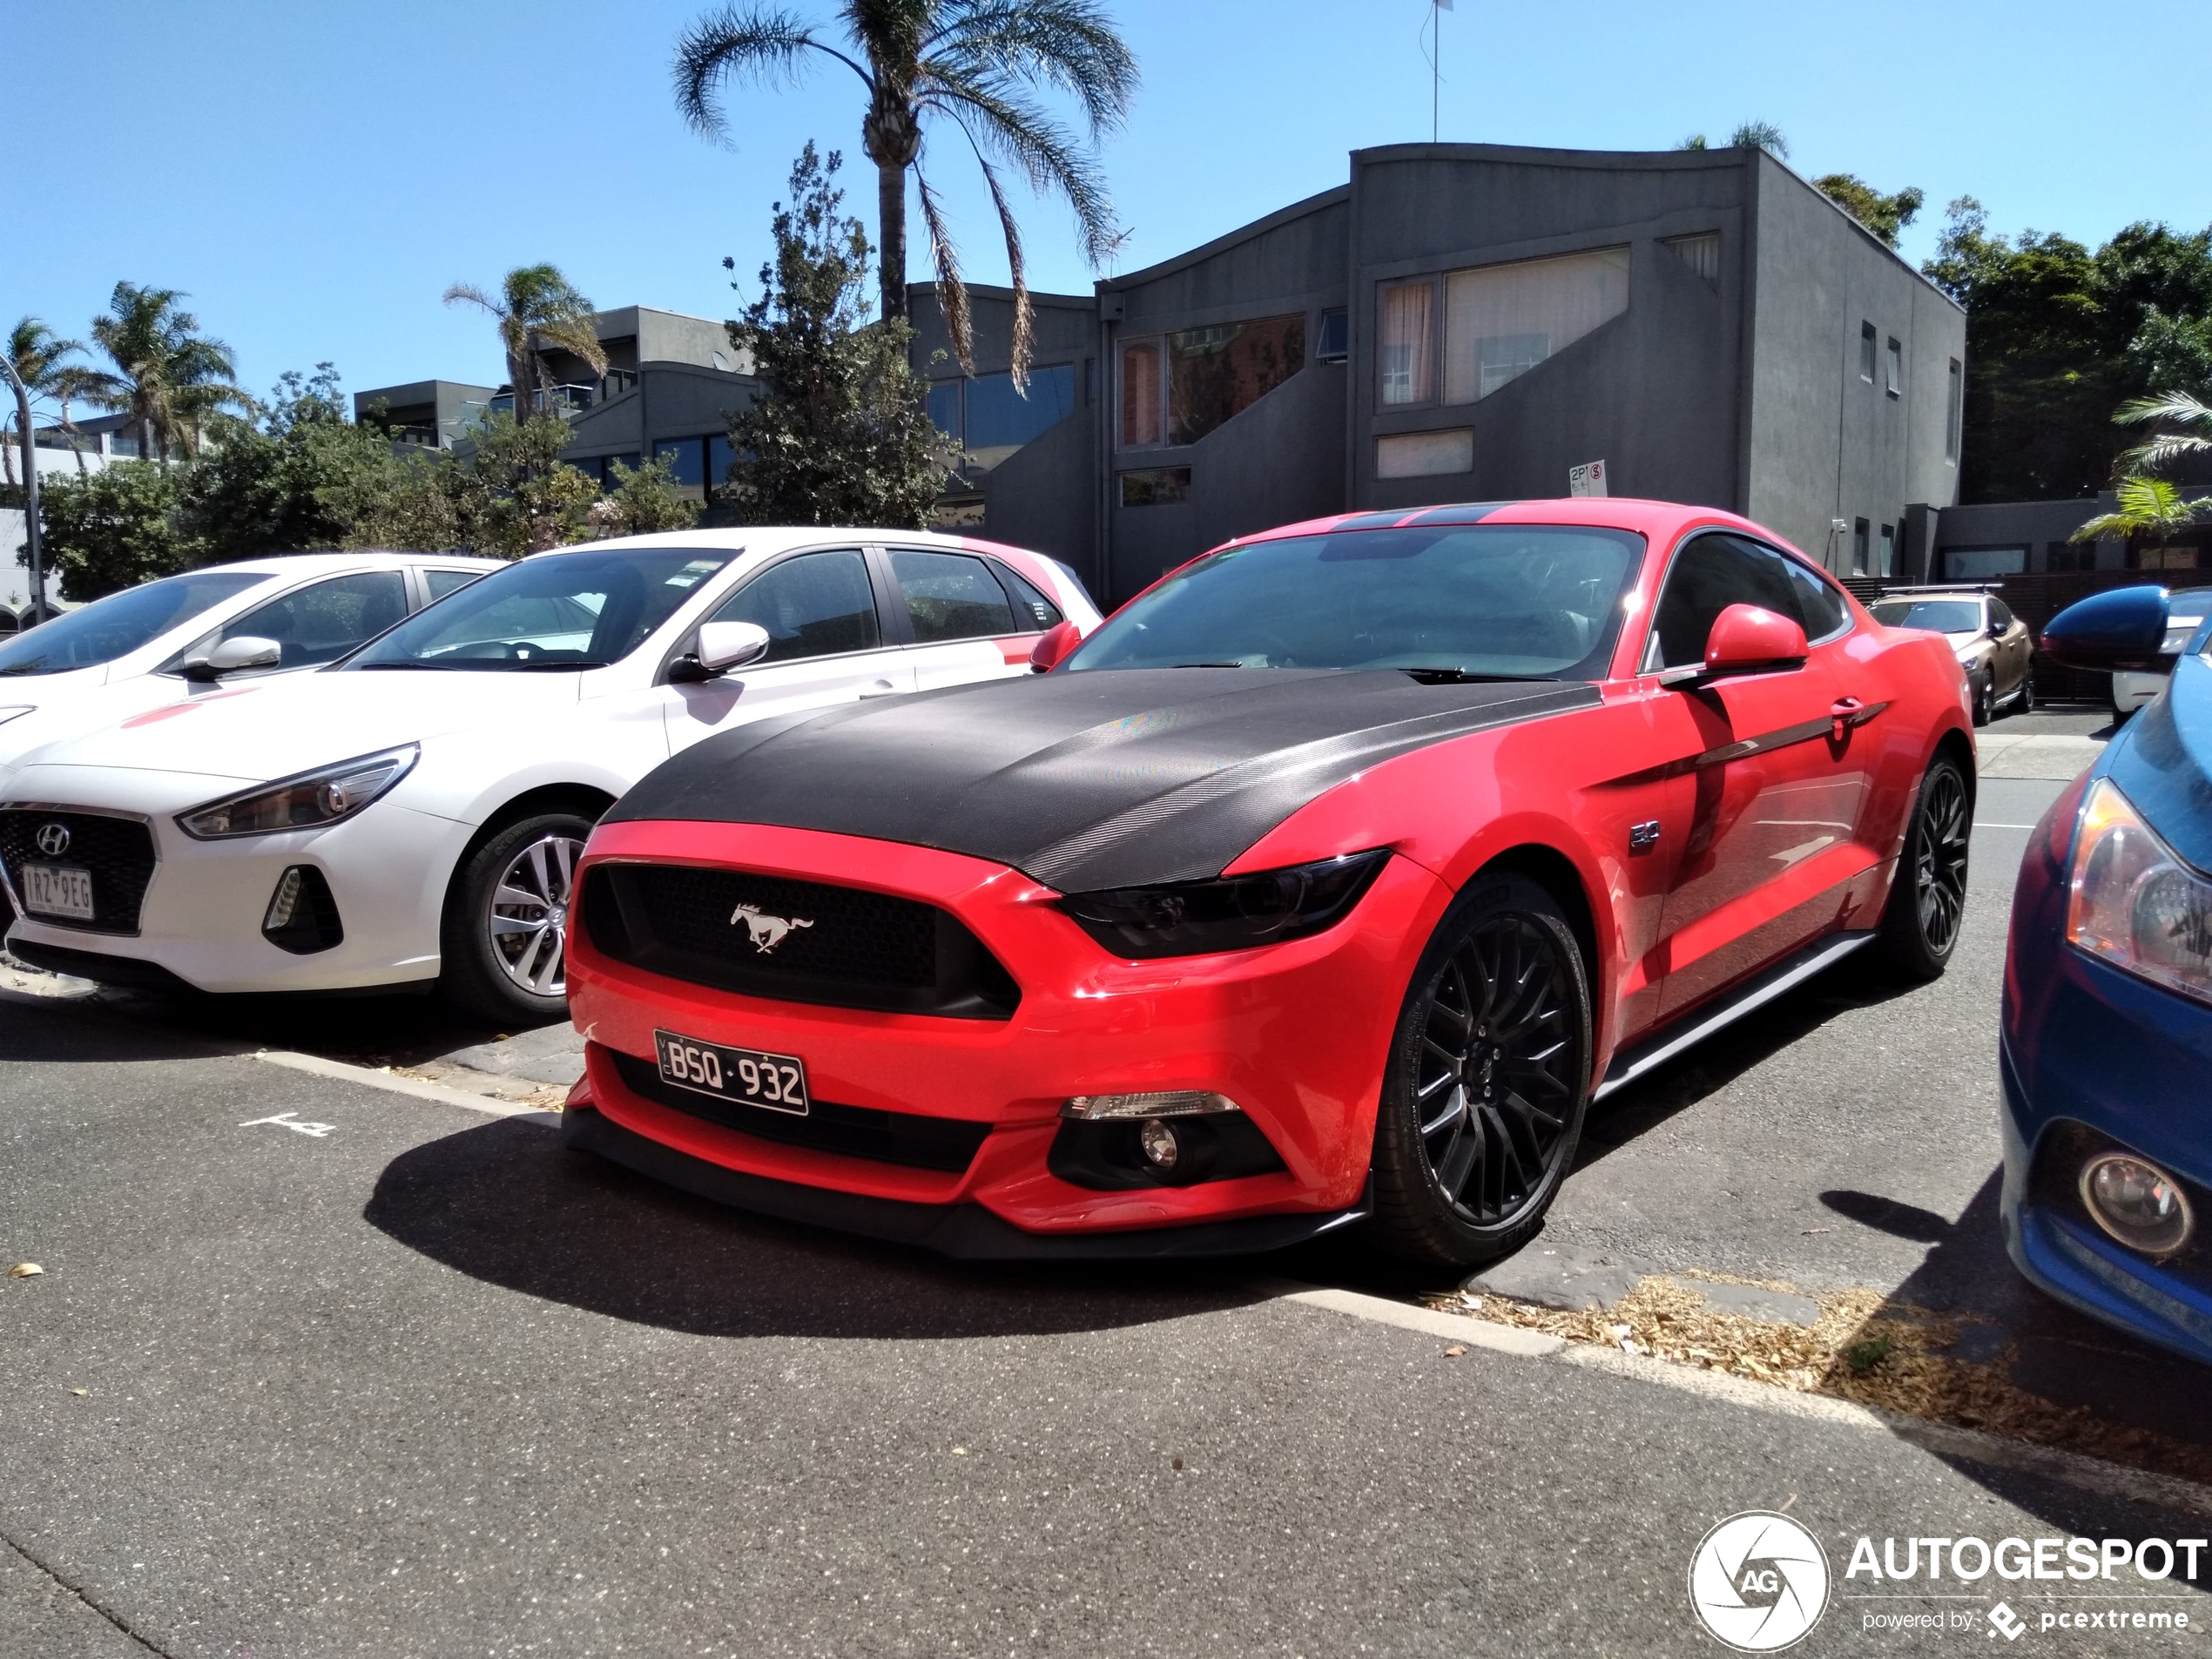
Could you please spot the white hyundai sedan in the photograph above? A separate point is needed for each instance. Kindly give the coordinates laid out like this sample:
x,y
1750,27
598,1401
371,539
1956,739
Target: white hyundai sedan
x,y
187,635
410,815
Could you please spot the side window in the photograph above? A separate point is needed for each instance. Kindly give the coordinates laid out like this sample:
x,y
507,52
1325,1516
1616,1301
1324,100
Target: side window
x,y
1710,575
951,596
819,604
1030,606
322,622
441,583
1998,615
1820,605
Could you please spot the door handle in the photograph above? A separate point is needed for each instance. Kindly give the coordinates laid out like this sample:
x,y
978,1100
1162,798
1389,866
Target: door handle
x,y
1846,712
881,688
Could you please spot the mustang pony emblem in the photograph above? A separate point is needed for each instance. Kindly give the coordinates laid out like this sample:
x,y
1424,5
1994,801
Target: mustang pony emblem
x,y
765,931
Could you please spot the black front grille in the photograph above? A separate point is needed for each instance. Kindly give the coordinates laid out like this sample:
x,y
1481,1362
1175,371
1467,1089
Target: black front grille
x,y
794,941
117,851
908,1138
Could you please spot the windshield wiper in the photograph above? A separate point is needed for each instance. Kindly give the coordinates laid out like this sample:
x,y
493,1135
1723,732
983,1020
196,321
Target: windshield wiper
x,y
548,668
1461,676
443,668
1213,664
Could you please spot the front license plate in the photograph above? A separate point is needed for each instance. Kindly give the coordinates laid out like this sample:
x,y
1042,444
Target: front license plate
x,y
56,890
777,1082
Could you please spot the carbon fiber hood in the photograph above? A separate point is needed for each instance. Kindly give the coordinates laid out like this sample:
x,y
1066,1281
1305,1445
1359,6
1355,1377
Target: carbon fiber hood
x,y
1082,780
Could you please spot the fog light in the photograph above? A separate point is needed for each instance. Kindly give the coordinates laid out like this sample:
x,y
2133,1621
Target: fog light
x,y
1173,1102
1159,1143
302,916
2137,1203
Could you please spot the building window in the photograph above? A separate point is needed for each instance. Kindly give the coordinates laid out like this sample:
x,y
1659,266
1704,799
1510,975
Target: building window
x,y
1333,343
1700,252
1155,486
1867,352
1143,394
687,460
721,455
1979,563
1501,320
2062,557
1425,455
2165,558
1954,414
1407,336
1211,376
1888,566
1858,537
988,419
1894,369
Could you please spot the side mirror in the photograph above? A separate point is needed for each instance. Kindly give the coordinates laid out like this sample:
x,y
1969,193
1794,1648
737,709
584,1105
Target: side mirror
x,y
246,650
725,645
1747,640
1054,646
2122,628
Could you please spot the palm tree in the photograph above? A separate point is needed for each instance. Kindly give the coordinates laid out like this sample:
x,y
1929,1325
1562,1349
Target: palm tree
x,y
39,357
2151,509
2166,448
537,308
169,378
972,64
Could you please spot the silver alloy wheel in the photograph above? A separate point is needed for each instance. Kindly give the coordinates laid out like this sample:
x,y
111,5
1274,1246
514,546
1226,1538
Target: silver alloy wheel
x,y
529,909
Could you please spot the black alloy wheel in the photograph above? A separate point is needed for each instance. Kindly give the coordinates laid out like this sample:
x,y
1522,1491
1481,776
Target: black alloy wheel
x,y
1489,1080
1928,893
1985,699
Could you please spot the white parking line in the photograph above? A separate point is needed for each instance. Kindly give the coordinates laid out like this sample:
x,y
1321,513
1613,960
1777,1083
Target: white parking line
x,y
315,1065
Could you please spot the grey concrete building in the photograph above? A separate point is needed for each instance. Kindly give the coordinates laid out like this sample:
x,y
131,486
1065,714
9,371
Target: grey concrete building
x,y
1478,322
671,384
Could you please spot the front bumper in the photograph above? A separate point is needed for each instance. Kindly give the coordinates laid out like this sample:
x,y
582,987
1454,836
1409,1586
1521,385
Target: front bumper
x,y
199,921
2092,1057
1297,1034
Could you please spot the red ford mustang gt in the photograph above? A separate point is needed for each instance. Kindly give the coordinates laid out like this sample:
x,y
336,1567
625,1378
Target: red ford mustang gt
x,y
1330,880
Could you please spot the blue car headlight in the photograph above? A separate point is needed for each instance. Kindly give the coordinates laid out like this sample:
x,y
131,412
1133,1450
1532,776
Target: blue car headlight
x,y
308,801
2132,902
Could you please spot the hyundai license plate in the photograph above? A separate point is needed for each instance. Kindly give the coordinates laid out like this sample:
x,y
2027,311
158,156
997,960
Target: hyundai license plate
x,y
777,1082
57,890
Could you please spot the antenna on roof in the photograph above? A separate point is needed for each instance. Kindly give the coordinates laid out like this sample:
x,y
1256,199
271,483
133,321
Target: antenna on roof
x,y
1433,29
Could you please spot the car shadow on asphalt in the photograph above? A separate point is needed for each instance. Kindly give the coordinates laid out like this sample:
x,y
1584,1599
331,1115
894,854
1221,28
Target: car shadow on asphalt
x,y
506,1204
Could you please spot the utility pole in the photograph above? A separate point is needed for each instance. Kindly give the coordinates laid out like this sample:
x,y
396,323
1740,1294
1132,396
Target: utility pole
x,y
30,493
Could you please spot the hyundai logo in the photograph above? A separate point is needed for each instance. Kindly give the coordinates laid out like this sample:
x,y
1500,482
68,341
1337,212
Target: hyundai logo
x,y
53,839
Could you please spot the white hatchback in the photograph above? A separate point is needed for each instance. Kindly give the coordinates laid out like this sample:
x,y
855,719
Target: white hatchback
x,y
413,812
184,635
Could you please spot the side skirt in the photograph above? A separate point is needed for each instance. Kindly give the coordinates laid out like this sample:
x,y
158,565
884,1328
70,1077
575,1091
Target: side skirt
x,y
1647,1053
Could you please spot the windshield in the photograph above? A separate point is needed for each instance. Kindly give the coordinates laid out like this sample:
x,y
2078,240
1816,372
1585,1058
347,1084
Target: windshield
x,y
119,624
558,610
1474,601
1937,616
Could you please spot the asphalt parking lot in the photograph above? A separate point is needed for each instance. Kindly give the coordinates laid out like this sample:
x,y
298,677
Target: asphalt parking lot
x,y
316,1367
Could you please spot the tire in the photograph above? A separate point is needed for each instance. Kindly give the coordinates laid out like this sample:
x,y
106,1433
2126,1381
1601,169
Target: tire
x,y
1487,1085
2028,696
503,954
1927,903
1986,701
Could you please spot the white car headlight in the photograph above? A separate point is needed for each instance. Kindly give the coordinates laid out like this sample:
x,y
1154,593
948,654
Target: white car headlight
x,y
308,801
2134,903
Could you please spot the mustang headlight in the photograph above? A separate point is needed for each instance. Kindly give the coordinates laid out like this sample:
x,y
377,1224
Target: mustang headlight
x,y
1236,912
308,801
2134,903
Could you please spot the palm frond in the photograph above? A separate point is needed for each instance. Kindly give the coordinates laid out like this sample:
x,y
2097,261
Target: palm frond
x,y
2103,525
1070,45
469,293
760,44
952,292
2164,451
2165,406
1021,133
577,336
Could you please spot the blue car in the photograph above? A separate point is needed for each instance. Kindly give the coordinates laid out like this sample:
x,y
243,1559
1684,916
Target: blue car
x,y
2106,1044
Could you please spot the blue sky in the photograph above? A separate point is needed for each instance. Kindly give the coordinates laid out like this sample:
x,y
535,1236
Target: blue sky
x,y
314,175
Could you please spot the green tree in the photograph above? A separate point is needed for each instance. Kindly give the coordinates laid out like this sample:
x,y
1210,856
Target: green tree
x,y
2151,511
643,502
536,309
2057,337
41,359
839,434
1883,215
1749,135
113,528
974,65
168,377
509,493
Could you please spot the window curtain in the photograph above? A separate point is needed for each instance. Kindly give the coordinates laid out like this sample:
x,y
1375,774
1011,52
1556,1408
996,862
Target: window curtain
x,y
1141,395
1408,343
1501,320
